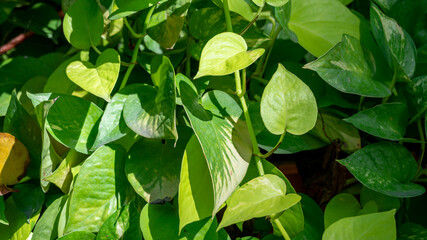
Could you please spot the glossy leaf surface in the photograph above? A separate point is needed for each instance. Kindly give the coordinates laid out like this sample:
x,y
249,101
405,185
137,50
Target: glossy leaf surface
x,y
319,25
28,198
47,226
379,226
262,196
344,68
78,235
129,7
72,120
385,121
98,190
288,104
395,43
83,24
150,111
224,54
19,226
98,79
222,134
385,167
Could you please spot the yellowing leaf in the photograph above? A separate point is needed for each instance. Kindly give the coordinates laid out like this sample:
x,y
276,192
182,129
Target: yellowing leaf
x,y
14,159
224,54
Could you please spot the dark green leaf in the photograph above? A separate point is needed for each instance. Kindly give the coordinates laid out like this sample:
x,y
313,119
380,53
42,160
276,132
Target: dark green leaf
x,y
385,167
72,122
29,198
411,231
129,7
153,167
384,202
313,220
385,121
3,219
344,67
19,227
83,24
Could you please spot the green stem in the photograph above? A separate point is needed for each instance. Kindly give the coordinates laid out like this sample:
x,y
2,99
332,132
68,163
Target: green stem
x,y
273,37
96,49
252,22
413,119
227,16
423,147
148,18
362,98
281,229
249,124
275,147
244,81
393,82
132,32
261,80
134,58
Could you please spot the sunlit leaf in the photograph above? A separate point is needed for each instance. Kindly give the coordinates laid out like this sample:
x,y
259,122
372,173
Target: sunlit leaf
x,y
14,159
47,226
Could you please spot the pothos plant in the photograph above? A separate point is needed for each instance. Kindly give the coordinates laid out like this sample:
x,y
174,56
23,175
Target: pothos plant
x,y
133,119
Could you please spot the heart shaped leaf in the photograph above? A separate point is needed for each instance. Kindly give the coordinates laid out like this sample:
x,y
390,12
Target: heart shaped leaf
x,y
395,43
72,120
224,54
288,104
99,79
83,24
385,167
385,121
224,139
150,111
129,7
344,67
262,196
319,25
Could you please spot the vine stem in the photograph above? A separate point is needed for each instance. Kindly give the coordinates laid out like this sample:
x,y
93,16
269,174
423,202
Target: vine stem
x,y
227,16
132,32
275,147
252,22
130,68
282,229
393,82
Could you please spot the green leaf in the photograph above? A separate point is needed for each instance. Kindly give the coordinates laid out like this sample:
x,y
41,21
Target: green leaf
x,y
160,222
112,125
19,227
99,79
379,226
222,134
26,129
3,219
129,7
288,104
58,81
395,43
83,24
29,198
123,224
385,167
292,219
195,186
344,67
313,219
290,144
240,7
72,121
319,25
78,235
62,176
276,3
384,202
150,111
224,54
385,121
47,227
262,196
99,189
167,21
153,167
409,231
329,127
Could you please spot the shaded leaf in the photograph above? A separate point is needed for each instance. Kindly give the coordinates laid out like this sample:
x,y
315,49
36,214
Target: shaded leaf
x,y
385,167
344,67
385,121
47,227
29,198
313,220
19,227
3,219
384,202
409,231
129,7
